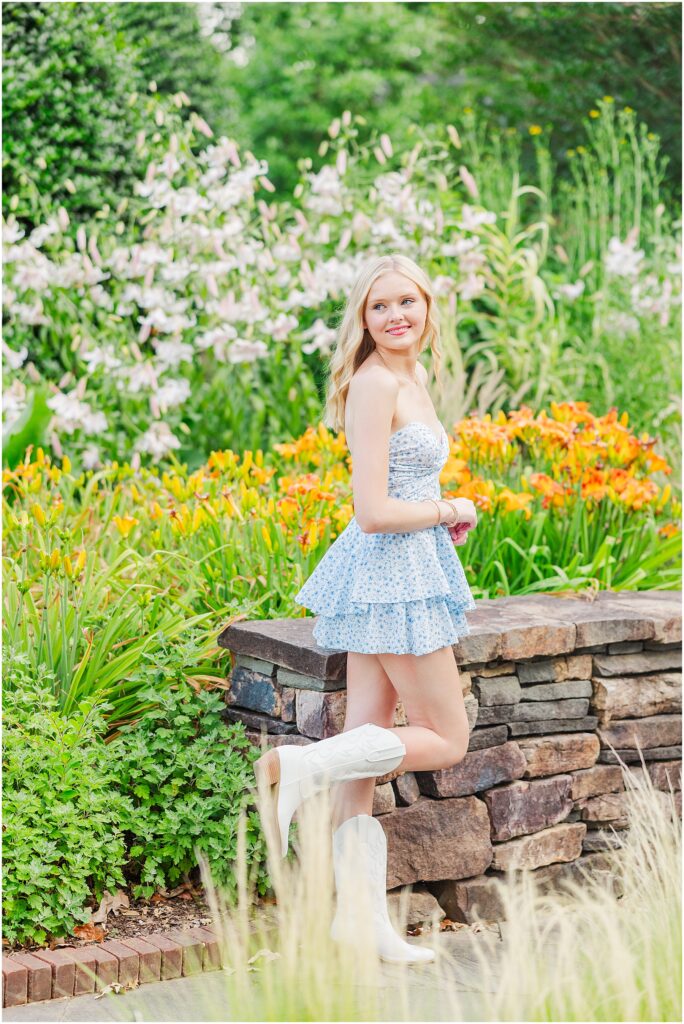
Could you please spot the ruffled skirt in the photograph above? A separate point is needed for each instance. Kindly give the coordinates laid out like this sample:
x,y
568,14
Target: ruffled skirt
x,y
389,593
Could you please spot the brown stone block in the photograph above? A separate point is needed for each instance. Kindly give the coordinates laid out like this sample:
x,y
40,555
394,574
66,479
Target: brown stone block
x,y
607,807
432,839
289,709
662,774
258,722
555,670
407,789
321,714
150,959
559,843
255,691
285,642
63,971
479,770
172,955
518,808
39,976
563,752
14,982
493,736
621,697
472,899
643,662
422,907
496,690
662,607
602,778
587,723
656,731
558,691
383,799
598,839
631,756
499,668
533,711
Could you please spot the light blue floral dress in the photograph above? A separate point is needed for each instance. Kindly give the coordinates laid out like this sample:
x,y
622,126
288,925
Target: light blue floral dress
x,y
394,593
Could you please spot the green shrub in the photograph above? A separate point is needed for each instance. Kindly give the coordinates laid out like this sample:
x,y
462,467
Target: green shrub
x,y
186,772
62,838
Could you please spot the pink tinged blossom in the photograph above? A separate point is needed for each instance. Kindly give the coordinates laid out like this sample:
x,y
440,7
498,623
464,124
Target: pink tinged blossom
x,y
91,457
202,125
454,136
13,403
173,393
471,218
334,128
157,440
14,359
287,251
34,278
172,354
30,314
71,414
43,232
81,239
246,351
471,287
386,144
345,239
622,259
341,162
571,291
468,181
139,376
322,337
11,231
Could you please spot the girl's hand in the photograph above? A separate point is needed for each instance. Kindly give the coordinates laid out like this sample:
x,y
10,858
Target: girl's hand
x,y
459,533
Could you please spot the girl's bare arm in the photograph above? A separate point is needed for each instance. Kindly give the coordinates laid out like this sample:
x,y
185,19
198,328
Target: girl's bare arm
x,y
375,394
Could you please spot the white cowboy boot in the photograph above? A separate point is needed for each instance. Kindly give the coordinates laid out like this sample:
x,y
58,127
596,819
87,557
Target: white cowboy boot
x,y
298,772
360,859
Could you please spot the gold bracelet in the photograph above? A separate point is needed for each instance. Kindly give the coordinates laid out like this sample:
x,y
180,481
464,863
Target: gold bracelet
x,y
439,511
458,518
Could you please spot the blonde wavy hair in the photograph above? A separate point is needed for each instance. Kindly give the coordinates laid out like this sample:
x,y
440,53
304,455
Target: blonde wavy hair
x,y
354,343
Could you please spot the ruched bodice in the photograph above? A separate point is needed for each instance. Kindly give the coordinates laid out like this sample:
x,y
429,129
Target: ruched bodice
x,y
403,593
416,458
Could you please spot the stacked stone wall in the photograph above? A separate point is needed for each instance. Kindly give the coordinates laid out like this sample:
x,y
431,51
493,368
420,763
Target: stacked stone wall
x,y
557,689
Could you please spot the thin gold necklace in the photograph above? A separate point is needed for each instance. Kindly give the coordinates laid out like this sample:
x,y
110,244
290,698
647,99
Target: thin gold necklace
x,y
401,376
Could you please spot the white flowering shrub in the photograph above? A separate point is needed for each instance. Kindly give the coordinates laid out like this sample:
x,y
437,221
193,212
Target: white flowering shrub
x,y
199,313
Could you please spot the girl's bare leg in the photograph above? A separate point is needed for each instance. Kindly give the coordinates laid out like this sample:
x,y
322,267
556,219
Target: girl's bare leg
x,y
430,691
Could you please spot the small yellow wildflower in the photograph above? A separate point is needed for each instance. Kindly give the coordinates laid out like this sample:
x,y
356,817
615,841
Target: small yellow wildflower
x,y
535,129
38,514
608,99
267,538
125,524
594,113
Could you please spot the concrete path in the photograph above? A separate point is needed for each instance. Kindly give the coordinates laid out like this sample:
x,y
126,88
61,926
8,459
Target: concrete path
x,y
202,997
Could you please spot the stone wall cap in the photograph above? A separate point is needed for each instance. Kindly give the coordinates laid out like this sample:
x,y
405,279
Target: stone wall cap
x,y
652,614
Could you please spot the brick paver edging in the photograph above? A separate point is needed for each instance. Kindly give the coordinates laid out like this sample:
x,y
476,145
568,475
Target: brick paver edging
x,y
80,970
